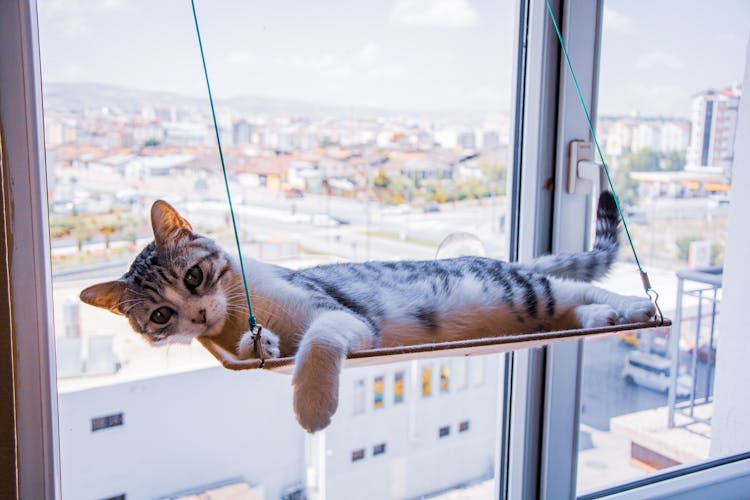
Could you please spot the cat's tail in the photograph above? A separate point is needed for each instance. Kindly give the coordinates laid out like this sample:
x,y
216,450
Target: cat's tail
x,y
592,265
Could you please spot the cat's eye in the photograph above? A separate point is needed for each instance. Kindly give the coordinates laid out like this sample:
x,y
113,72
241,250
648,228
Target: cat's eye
x,y
194,277
162,315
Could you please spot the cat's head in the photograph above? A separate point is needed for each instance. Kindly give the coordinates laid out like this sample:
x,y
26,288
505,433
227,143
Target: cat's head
x,y
178,288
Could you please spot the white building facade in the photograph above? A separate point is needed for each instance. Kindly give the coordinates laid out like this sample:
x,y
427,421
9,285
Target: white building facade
x,y
714,123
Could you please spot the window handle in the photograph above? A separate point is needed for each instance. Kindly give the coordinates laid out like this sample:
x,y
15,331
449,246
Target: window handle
x,y
583,172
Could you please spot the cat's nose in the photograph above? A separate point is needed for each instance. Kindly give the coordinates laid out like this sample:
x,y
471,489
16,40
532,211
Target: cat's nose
x,y
201,317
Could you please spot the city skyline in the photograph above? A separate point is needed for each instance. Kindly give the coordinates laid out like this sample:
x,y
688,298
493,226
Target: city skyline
x,y
412,55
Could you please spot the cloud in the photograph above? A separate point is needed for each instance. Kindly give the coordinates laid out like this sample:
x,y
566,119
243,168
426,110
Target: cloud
x,y
445,13
617,21
370,52
659,59
658,90
72,72
66,16
367,62
241,58
112,5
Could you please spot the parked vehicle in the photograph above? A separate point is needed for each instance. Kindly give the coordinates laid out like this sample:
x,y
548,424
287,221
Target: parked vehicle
x,y
652,371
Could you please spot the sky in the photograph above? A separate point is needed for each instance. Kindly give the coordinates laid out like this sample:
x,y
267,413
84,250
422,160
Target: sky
x,y
453,55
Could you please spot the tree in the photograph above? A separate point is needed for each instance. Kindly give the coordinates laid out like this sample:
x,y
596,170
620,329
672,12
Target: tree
x,y
83,232
109,228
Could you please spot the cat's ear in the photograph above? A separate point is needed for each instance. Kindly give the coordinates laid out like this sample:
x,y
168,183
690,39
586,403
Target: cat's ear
x,y
107,295
167,224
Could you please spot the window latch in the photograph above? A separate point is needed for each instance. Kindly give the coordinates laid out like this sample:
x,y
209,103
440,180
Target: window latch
x,y
583,172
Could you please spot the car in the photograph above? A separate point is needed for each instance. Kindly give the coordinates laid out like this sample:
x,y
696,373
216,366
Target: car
x,y
431,208
653,371
324,220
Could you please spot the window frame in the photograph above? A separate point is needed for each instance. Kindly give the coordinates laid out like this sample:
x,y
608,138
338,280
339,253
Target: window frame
x,y
25,183
546,385
546,116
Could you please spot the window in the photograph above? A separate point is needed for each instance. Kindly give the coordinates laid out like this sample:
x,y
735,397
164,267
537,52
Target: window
x,y
444,431
426,381
398,387
445,372
477,364
358,455
378,449
358,399
463,426
653,400
151,129
106,422
459,373
378,388
352,185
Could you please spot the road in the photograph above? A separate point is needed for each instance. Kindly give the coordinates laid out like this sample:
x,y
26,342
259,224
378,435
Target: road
x,y
605,392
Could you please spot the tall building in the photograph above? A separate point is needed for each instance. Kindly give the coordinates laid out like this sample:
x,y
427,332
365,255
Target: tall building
x,y
714,122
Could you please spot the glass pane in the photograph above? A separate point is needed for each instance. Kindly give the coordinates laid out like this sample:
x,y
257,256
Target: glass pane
x,y
668,109
352,131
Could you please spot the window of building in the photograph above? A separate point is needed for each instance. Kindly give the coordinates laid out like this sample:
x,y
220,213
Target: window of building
x,y
445,373
398,387
358,455
463,426
106,422
378,449
459,373
358,399
444,431
477,366
426,380
378,391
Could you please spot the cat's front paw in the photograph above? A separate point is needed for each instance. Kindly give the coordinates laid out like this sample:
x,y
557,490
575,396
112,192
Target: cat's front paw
x,y
269,340
316,386
639,310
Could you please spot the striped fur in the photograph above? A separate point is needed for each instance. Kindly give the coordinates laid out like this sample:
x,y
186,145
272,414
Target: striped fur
x,y
321,314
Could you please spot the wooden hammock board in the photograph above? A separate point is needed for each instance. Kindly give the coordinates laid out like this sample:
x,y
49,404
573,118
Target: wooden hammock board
x,y
472,347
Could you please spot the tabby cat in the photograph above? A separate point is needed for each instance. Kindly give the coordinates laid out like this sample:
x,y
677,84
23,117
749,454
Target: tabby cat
x,y
183,285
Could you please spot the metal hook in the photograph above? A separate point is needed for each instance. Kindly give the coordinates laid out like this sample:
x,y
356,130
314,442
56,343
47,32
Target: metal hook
x,y
258,346
655,300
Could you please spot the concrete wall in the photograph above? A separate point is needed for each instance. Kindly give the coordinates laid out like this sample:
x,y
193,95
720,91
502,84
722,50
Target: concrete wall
x,y
181,431
730,430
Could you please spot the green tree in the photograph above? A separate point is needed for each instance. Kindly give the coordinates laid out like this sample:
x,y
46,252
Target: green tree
x,y
83,232
381,180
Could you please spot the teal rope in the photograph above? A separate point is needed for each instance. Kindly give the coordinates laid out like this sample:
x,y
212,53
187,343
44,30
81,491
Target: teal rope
x,y
596,141
251,318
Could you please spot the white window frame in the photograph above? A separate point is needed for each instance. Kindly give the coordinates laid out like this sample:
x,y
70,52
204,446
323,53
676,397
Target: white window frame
x,y
539,444
28,252
545,389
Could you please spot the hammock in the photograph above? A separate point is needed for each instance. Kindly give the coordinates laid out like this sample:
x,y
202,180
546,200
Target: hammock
x,y
469,347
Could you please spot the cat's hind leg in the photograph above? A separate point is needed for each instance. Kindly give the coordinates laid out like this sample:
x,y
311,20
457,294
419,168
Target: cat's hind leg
x,y
325,344
629,309
596,315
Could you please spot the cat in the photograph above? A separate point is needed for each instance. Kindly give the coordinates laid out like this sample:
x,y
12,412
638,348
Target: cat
x,y
183,285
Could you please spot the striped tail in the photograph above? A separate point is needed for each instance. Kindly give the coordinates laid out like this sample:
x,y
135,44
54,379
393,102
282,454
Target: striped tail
x,y
592,265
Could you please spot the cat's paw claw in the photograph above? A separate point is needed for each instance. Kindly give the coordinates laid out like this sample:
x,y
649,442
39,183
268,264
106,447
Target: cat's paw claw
x,y
640,310
271,345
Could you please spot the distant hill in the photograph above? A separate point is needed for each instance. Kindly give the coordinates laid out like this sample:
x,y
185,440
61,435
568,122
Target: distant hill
x,y
97,95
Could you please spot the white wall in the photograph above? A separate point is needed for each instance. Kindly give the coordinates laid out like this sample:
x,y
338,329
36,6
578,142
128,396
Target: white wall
x,y
416,461
730,429
181,431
